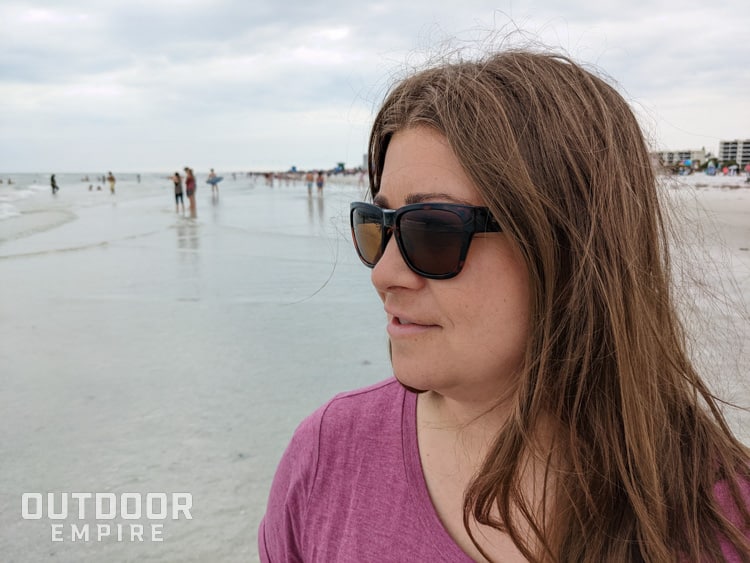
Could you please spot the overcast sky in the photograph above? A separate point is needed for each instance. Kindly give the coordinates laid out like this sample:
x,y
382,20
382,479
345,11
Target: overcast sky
x,y
154,85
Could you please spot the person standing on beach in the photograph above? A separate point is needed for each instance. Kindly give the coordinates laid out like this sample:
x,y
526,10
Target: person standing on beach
x,y
214,181
320,181
111,180
310,179
53,184
544,405
178,200
190,189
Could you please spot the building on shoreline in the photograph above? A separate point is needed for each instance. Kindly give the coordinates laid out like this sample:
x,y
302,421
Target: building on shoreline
x,y
671,158
737,150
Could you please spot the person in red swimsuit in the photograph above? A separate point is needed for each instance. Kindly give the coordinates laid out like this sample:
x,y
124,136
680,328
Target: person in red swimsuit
x,y
190,190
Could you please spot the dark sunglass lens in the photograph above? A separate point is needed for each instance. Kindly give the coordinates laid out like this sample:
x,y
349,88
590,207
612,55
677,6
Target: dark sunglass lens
x,y
432,240
367,226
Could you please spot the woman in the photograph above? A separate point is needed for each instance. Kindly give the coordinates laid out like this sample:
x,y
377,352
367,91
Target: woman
x,y
544,406
190,189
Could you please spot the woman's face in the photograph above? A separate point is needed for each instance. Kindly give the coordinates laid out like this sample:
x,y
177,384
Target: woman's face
x,y
463,337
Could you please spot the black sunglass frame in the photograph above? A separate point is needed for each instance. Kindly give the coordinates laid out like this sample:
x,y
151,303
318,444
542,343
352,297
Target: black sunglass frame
x,y
474,219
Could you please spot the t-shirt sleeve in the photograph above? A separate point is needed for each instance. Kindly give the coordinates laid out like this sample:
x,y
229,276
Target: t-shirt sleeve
x,y
733,514
281,531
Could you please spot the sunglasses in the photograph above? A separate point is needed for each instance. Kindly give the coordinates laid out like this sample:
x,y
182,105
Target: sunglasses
x,y
433,238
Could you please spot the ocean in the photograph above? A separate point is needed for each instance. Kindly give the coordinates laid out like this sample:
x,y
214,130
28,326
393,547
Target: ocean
x,y
146,354
144,351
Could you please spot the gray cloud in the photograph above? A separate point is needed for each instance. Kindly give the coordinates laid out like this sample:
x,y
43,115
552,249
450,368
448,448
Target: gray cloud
x,y
298,82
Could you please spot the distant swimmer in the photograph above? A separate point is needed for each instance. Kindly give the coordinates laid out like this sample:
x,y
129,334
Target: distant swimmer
x,y
111,180
53,183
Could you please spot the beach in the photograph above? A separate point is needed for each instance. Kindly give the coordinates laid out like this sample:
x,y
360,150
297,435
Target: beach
x,y
144,351
711,269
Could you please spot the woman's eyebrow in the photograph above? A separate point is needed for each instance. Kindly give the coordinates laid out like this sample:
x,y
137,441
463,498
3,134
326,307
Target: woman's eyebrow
x,y
433,196
421,197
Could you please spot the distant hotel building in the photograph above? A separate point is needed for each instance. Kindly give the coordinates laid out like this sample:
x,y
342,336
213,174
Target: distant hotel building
x,y
668,158
737,150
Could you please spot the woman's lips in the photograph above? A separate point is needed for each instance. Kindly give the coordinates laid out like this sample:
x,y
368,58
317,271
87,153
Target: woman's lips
x,y
401,327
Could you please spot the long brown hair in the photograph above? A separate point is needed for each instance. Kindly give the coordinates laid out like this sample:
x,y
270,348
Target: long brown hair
x,y
638,441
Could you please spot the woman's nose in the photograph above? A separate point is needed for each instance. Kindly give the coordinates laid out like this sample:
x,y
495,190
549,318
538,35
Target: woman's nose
x,y
391,270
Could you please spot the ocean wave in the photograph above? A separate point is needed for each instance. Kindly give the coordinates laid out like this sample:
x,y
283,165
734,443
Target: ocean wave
x,y
18,192
7,211
33,222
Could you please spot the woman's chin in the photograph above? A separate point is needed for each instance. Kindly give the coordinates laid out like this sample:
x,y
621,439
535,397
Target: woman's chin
x,y
411,384
413,389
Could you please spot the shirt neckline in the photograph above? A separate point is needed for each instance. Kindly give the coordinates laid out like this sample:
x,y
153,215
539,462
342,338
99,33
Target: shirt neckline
x,y
417,484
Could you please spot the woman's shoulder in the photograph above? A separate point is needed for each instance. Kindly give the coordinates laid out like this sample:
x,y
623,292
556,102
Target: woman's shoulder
x,y
381,393
734,500
366,406
724,494
364,424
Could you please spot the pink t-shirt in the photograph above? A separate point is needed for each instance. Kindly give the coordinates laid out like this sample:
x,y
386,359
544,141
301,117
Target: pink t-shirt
x,y
350,488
